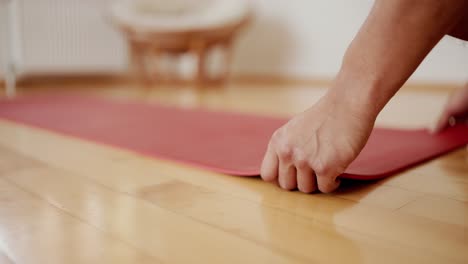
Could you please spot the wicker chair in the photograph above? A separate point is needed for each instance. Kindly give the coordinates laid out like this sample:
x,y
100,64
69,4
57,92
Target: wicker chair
x,y
157,27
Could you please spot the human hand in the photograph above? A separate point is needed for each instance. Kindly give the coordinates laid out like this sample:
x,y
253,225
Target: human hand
x,y
456,110
315,147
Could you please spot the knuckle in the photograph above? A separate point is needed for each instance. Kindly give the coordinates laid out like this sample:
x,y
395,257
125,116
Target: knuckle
x,y
276,136
321,168
285,152
301,162
331,167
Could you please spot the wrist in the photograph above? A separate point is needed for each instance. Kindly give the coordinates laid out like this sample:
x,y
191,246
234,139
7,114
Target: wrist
x,y
359,90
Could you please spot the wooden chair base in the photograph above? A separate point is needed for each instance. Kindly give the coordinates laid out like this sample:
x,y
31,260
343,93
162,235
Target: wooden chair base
x,y
142,54
149,46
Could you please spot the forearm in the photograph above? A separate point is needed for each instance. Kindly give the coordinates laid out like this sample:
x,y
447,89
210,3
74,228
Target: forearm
x,y
390,45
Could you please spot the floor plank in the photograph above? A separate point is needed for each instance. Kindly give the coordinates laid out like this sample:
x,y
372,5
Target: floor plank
x,y
33,231
377,194
10,160
273,228
65,200
436,178
154,230
438,208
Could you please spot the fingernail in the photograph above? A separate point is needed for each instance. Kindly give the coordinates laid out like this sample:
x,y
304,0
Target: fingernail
x,y
452,121
434,128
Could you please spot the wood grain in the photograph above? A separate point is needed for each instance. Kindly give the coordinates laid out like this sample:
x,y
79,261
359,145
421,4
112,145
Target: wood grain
x,y
65,200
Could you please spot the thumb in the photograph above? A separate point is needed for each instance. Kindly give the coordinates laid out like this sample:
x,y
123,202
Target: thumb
x,y
441,123
327,183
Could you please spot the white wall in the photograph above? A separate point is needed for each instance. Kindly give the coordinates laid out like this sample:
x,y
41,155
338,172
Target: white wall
x,y
3,37
68,35
298,38
307,38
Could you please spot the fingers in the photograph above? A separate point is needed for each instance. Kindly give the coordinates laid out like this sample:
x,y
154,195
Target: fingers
x,y
306,182
290,169
292,172
269,170
442,122
287,176
455,110
287,171
327,176
447,120
327,183
298,174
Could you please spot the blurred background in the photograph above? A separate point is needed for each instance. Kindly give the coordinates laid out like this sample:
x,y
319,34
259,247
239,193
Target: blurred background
x,y
289,40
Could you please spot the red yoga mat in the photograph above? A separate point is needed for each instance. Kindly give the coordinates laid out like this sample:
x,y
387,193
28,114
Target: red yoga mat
x,y
223,142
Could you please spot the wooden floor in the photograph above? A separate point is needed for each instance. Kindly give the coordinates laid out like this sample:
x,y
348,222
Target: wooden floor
x,y
64,200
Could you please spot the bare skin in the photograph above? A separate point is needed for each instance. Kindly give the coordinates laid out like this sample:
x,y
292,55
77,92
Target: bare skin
x,y
455,111
316,146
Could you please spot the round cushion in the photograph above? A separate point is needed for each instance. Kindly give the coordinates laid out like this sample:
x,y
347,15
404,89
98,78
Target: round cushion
x,y
179,15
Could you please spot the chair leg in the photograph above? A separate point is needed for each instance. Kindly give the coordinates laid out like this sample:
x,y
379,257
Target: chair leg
x,y
201,67
224,75
199,48
10,81
138,64
156,74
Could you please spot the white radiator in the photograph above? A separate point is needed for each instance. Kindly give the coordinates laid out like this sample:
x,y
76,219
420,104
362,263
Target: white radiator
x,y
67,36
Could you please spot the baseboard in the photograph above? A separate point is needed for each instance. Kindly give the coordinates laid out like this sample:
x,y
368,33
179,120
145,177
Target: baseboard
x,y
280,80
44,79
325,82
258,80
